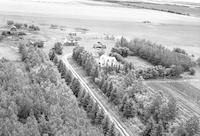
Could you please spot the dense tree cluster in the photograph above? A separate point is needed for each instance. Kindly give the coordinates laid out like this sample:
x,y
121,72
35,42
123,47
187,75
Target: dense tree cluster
x,y
94,112
100,77
12,33
33,28
10,22
39,44
192,126
86,60
18,25
159,72
179,50
123,51
158,115
198,61
157,54
125,89
58,48
1,38
189,128
22,26
37,102
153,72
118,57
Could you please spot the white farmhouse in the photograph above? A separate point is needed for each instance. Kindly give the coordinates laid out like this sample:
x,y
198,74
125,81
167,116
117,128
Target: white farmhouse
x,y
107,61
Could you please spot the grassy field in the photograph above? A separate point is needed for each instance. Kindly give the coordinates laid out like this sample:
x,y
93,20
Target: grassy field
x,y
9,45
138,62
171,8
9,52
170,36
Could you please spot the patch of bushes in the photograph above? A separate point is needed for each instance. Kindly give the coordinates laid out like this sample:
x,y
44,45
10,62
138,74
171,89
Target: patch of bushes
x,y
21,33
6,33
18,25
159,72
25,25
39,44
198,61
1,37
10,33
192,71
123,51
118,57
10,22
157,54
58,48
53,26
153,111
34,28
179,50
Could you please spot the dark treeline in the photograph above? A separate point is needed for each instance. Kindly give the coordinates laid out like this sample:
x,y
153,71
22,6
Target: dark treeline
x,y
22,25
35,101
157,54
198,61
94,112
153,72
156,115
17,29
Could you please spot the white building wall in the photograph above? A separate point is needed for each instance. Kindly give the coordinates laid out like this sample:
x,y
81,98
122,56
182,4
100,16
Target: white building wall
x,y
107,61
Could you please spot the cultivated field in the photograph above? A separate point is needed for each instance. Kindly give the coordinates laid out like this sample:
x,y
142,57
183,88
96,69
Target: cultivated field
x,y
186,94
170,30
183,9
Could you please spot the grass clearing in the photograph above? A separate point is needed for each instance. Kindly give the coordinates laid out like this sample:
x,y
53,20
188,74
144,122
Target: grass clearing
x,y
177,9
138,62
8,51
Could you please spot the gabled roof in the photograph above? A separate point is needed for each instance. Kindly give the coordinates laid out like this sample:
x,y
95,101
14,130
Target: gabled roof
x,y
106,57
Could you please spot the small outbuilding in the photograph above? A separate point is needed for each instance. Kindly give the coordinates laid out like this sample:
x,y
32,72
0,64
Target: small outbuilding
x,y
70,42
13,28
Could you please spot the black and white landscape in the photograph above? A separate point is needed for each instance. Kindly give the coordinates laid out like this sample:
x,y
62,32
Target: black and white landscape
x,y
99,67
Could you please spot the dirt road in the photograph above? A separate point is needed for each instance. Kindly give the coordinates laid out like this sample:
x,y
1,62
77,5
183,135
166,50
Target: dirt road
x,y
118,126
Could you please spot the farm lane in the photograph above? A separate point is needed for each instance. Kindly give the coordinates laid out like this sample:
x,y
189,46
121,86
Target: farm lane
x,y
118,125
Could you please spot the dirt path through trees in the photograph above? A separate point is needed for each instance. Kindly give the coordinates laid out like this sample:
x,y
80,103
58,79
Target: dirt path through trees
x,y
118,125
